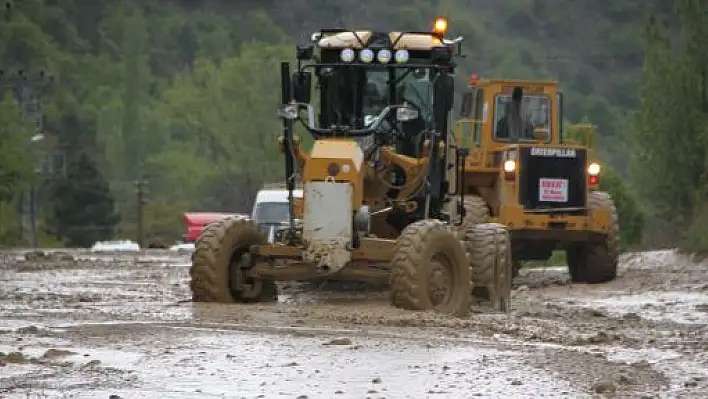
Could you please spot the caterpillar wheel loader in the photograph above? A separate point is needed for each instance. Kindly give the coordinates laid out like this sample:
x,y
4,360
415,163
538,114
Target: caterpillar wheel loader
x,y
521,172
376,184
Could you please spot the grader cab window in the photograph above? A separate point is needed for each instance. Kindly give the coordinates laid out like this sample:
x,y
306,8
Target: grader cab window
x,y
352,96
515,121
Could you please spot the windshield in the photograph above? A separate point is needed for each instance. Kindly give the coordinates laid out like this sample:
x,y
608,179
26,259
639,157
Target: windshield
x,y
271,212
353,96
514,122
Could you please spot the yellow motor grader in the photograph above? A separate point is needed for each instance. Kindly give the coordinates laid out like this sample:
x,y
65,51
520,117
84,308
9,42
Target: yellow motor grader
x,y
547,192
376,186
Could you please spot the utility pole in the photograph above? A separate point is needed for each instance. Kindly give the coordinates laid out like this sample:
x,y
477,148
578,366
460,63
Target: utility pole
x,y
26,90
141,202
8,11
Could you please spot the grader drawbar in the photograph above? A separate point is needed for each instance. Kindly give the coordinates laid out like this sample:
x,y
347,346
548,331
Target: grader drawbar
x,y
381,185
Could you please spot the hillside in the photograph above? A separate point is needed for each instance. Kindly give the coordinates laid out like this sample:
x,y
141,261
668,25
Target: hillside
x,y
182,93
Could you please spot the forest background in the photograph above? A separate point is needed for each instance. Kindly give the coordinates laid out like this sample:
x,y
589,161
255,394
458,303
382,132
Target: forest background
x,y
182,94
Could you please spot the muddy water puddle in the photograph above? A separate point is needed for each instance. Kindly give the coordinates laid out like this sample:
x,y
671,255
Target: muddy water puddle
x,y
211,362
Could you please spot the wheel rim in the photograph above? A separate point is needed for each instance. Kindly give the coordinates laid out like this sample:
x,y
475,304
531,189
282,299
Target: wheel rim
x,y
238,276
441,280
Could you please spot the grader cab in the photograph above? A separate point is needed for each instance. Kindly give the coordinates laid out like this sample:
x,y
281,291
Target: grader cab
x,y
376,184
522,173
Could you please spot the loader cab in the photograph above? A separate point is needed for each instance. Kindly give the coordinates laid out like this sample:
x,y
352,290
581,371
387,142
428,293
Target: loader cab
x,y
503,112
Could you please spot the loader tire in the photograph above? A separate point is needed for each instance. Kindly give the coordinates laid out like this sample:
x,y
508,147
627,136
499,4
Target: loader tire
x,y
476,212
429,270
488,249
221,258
596,262
516,266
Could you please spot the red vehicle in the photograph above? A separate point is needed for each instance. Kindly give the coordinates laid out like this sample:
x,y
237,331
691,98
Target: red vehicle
x,y
196,221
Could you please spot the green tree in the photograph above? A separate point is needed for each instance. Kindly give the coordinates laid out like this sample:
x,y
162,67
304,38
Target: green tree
x,y
222,124
15,159
83,205
629,212
185,95
669,139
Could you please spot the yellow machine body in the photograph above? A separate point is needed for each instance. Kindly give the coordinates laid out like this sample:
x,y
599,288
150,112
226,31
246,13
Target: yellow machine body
x,y
503,191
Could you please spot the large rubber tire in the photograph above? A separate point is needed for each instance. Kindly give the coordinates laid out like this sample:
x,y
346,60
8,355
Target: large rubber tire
x,y
421,246
596,263
218,253
516,266
476,212
488,247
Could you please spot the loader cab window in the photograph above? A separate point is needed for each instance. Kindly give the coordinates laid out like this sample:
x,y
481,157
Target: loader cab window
x,y
517,121
559,101
475,109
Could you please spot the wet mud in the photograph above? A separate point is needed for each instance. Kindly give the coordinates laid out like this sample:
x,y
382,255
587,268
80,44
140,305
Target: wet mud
x,y
79,325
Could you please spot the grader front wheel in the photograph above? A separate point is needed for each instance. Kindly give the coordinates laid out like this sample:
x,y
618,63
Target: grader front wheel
x,y
429,270
219,271
489,250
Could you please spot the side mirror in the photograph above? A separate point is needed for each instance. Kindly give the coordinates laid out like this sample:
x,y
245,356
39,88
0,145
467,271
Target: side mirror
x,y
406,113
302,85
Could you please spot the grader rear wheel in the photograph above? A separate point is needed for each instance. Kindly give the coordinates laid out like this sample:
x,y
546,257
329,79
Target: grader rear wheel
x,y
489,251
429,270
219,271
596,263
476,212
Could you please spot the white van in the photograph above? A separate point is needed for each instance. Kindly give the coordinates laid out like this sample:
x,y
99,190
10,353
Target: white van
x,y
271,209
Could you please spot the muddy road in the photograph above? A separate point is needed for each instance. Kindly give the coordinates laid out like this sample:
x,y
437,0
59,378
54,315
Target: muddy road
x,y
80,325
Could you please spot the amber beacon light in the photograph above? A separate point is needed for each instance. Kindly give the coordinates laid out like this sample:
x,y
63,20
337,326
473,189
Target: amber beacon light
x,y
440,26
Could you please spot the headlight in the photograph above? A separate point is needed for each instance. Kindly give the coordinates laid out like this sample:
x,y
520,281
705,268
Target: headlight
x,y
509,165
384,56
366,55
401,56
347,55
594,169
